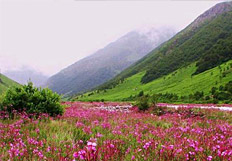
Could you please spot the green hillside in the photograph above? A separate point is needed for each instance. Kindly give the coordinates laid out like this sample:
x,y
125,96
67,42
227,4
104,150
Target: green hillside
x,y
180,82
185,68
206,42
5,83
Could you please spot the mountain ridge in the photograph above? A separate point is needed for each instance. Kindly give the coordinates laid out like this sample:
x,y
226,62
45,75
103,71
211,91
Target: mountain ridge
x,y
6,83
105,63
175,47
25,74
206,44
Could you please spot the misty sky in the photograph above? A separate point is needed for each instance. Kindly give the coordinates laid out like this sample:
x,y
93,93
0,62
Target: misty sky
x,y
49,35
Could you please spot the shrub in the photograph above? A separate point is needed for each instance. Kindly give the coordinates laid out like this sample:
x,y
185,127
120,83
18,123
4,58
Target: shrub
x,y
207,98
142,103
198,95
32,100
1,99
141,93
154,99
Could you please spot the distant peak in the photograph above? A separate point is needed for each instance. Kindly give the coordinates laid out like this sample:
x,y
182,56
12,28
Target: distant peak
x,y
217,9
155,33
213,12
153,29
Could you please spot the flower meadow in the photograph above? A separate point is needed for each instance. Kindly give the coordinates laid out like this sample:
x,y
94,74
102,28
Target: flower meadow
x,y
85,132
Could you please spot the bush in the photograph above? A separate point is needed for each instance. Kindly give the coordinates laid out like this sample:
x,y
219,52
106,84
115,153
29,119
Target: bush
x,y
154,99
1,99
141,93
32,100
198,95
142,103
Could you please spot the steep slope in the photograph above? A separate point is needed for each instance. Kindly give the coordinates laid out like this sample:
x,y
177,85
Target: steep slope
x,y
5,83
25,74
196,59
180,82
107,62
208,40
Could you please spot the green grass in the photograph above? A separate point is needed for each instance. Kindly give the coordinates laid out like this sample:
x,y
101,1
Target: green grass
x,y
5,83
209,44
180,82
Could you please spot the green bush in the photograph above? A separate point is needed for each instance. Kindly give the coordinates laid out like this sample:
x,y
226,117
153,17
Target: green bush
x,y
142,103
32,100
154,99
141,93
1,99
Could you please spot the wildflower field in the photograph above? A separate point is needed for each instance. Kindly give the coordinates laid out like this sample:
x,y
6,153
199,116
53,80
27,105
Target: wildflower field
x,y
87,132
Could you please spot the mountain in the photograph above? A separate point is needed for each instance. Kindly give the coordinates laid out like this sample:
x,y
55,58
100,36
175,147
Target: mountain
x,y
5,83
24,74
104,64
202,46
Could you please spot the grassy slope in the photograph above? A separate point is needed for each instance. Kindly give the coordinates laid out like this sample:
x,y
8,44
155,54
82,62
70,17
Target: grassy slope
x,y
208,37
5,83
181,83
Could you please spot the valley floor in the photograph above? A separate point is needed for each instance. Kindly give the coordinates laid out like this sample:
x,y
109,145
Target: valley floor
x,y
93,131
